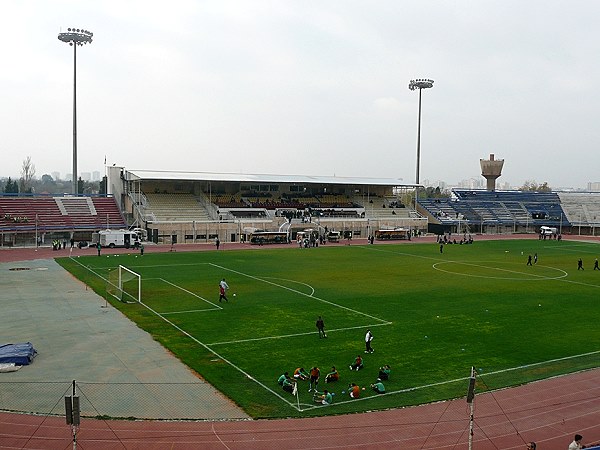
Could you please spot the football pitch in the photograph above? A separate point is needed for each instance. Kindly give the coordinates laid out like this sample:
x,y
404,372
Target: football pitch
x,y
433,316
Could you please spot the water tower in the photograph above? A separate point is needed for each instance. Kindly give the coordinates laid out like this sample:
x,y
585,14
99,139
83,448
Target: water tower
x,y
491,169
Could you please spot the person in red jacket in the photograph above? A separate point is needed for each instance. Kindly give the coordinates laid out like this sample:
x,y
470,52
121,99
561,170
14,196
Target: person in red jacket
x,y
315,373
332,376
358,364
353,390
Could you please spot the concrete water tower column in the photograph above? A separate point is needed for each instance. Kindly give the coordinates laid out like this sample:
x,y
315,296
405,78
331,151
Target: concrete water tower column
x,y
491,169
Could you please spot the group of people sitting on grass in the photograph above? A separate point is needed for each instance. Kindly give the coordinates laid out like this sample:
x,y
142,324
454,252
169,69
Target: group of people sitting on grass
x,y
290,383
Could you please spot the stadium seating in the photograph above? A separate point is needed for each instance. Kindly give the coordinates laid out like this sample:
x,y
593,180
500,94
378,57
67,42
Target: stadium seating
x,y
175,207
581,207
47,213
508,208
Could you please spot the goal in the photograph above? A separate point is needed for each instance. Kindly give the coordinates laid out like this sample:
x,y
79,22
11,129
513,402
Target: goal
x,y
125,285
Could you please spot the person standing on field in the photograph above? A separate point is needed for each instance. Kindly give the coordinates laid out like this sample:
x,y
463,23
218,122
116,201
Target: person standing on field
x,y
223,286
368,339
321,327
315,373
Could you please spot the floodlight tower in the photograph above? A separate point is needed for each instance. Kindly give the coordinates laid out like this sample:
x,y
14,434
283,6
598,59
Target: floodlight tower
x,y
419,84
75,37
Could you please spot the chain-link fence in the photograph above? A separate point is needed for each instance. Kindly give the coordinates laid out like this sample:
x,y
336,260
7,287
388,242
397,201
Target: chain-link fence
x,y
199,401
160,401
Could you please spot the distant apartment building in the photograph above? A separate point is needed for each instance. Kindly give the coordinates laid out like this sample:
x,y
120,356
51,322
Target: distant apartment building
x,y
593,186
55,175
435,184
506,186
471,183
95,175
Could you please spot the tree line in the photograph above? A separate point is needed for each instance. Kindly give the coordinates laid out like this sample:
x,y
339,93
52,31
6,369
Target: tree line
x,y
28,183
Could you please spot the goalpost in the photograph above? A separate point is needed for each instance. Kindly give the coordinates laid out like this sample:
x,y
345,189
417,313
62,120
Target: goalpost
x,y
125,285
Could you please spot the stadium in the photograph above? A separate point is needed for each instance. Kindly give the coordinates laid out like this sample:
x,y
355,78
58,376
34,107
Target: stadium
x,y
438,284
198,207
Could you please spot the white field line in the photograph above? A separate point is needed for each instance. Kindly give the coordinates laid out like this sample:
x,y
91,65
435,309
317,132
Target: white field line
x,y
526,366
425,386
215,306
283,336
206,346
190,311
533,276
239,369
582,248
201,344
294,281
89,269
451,261
303,294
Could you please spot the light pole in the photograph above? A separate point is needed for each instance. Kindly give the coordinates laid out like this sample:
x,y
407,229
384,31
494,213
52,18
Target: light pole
x,y
419,84
75,37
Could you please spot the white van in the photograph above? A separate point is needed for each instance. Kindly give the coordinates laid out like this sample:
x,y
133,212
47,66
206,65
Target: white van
x,y
547,231
334,236
116,238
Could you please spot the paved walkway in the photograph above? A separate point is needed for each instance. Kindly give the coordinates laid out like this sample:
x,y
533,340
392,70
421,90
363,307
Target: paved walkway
x,y
78,336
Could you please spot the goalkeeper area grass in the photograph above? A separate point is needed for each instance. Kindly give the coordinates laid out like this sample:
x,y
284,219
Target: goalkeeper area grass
x,y
433,316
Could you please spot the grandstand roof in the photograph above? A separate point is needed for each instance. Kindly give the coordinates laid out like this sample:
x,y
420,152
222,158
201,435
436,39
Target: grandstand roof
x,y
259,178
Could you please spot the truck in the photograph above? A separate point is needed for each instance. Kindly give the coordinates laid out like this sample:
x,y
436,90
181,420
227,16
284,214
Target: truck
x,y
116,238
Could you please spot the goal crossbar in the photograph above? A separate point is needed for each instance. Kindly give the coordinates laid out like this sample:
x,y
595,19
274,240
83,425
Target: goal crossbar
x,y
116,287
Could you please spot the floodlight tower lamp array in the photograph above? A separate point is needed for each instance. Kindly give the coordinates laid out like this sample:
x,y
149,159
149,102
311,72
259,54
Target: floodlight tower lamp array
x,y
420,83
76,36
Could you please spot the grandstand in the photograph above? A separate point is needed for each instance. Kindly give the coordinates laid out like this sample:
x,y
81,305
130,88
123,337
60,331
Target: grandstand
x,y
191,207
582,209
24,218
197,206
499,211
173,207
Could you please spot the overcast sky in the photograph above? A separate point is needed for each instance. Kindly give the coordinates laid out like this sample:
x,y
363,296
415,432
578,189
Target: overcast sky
x,y
305,87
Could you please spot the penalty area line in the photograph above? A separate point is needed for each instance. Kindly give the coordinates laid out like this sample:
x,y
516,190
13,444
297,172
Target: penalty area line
x,y
191,293
207,347
300,293
283,336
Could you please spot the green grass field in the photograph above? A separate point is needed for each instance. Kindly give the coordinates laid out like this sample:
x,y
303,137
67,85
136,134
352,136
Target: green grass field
x,y
433,315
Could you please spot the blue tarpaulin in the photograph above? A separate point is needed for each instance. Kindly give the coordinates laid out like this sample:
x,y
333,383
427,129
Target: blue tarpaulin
x,y
20,354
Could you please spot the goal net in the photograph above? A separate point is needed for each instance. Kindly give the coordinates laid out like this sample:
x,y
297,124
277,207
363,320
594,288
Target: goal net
x,y
125,285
